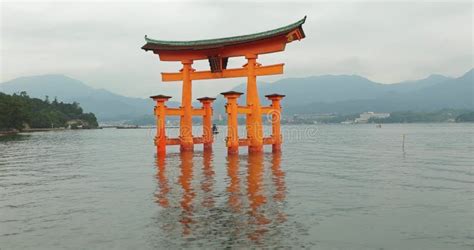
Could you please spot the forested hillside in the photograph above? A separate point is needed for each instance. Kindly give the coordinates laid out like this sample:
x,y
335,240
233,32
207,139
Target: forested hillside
x,y
19,111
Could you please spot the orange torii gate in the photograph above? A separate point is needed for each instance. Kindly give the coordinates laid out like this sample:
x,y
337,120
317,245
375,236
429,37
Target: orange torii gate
x,y
218,52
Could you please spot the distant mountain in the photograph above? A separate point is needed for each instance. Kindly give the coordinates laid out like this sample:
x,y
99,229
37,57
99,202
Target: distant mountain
x,y
458,93
432,94
344,94
104,104
326,88
407,86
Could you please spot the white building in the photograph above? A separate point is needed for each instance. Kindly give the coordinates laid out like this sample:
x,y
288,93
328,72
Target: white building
x,y
364,117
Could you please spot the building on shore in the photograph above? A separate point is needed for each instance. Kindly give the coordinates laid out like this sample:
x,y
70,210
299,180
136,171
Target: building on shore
x,y
366,116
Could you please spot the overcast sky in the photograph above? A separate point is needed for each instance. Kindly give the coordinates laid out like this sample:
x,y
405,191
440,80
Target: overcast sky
x,y
99,43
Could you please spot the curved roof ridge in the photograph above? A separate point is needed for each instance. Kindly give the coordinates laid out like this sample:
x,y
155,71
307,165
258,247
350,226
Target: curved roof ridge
x,y
232,39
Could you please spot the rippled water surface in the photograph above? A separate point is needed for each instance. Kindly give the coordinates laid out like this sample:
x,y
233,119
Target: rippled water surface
x,y
332,187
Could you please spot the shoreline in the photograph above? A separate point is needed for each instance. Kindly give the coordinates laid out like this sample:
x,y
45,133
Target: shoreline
x,y
32,130
7,133
41,130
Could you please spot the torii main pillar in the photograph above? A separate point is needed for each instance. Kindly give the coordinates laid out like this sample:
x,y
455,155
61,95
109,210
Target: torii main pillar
x,y
254,117
218,52
186,119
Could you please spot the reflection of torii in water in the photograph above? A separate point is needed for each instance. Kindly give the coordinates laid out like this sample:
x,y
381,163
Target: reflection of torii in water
x,y
208,182
161,196
185,180
255,192
258,219
245,214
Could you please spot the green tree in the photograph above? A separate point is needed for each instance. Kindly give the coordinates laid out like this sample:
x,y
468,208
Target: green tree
x,y
16,110
466,117
13,112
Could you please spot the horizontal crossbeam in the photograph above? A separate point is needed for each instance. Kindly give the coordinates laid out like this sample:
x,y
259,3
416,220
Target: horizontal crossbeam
x,y
267,110
244,142
173,111
177,141
179,112
173,141
243,110
247,110
225,73
200,112
266,141
198,140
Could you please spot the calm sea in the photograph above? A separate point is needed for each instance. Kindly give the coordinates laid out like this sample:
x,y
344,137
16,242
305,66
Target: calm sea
x,y
332,187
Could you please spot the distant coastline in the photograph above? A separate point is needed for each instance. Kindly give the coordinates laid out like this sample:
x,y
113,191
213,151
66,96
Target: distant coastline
x,y
439,116
313,95
21,113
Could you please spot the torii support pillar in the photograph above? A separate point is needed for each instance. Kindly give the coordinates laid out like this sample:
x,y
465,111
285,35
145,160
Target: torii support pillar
x,y
186,122
275,114
208,135
232,139
254,117
160,113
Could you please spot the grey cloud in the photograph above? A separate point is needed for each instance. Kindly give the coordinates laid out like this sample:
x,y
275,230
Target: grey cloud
x,y
99,43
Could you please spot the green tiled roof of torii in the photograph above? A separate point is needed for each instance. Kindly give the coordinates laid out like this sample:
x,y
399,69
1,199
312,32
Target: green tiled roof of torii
x,y
218,42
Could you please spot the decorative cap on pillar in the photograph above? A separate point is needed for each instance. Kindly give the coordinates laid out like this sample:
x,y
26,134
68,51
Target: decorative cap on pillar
x,y
274,96
231,94
206,99
160,97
